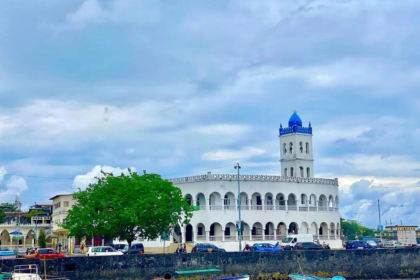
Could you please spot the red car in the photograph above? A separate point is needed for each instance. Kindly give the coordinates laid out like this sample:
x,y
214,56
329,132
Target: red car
x,y
48,253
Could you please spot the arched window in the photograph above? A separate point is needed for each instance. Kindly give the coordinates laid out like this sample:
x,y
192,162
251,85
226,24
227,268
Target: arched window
x,y
285,172
291,172
285,148
307,147
308,172
227,200
301,147
301,171
291,147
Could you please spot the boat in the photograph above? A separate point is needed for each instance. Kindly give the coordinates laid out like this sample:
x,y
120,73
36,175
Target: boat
x,y
27,272
31,256
310,277
242,277
208,271
6,252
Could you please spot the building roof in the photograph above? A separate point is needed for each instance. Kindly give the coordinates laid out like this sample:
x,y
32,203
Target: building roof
x,y
295,120
58,195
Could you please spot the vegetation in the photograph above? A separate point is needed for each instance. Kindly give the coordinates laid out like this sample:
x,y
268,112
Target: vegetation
x,y
42,239
127,207
352,228
2,215
12,206
34,212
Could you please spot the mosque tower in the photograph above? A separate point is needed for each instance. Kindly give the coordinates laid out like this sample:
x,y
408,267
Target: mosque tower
x,y
296,156
18,204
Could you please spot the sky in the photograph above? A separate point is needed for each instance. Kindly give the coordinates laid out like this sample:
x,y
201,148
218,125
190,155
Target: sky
x,y
180,88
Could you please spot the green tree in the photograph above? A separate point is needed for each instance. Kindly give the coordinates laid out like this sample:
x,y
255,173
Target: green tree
x,y
2,215
11,205
352,228
42,239
127,207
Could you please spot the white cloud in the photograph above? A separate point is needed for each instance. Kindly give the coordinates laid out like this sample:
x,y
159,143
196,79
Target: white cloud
x,y
231,154
83,181
13,186
224,129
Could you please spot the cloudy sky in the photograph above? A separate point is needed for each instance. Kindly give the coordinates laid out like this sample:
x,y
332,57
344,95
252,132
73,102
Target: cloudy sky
x,y
184,87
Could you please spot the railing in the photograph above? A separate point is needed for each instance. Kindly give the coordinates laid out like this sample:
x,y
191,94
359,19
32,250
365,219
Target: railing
x,y
215,238
331,209
269,237
230,207
323,237
281,207
246,238
215,207
322,208
256,207
313,208
269,207
257,238
202,207
244,207
251,207
292,207
201,238
303,208
280,237
230,238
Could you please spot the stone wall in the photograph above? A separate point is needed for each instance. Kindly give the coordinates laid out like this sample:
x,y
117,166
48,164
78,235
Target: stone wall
x,y
353,264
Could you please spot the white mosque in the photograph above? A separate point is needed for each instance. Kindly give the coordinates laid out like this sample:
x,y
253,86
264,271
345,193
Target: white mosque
x,y
271,206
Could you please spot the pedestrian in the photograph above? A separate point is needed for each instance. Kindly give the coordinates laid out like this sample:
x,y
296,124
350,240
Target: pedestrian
x,y
185,247
82,248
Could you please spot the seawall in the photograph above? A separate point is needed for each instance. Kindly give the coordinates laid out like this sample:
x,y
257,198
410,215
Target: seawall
x,y
353,264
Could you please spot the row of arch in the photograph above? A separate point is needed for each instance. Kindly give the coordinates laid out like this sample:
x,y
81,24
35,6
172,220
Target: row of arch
x,y
7,239
215,198
301,172
217,232
300,148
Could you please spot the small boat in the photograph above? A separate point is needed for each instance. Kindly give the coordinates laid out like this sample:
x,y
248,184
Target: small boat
x,y
242,277
310,277
6,252
31,256
27,272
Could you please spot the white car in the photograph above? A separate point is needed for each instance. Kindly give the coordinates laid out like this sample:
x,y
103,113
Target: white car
x,y
103,251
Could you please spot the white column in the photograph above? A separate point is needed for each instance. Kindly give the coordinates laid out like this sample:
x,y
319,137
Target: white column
x,y
207,236
250,233
287,205
262,202
328,233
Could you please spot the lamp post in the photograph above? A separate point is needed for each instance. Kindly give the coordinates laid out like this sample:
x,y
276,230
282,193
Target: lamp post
x,y
238,167
36,222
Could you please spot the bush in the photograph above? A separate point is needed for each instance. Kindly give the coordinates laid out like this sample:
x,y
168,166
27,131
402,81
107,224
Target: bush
x,y
42,239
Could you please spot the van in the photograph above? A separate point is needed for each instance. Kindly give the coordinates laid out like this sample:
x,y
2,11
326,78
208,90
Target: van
x,y
136,248
376,240
292,239
102,251
392,244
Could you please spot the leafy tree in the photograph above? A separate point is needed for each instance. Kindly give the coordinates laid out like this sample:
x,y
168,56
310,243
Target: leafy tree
x,y
127,207
2,215
12,207
352,228
34,212
42,239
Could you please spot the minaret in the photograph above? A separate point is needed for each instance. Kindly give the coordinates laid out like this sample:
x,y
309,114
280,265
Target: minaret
x,y
18,204
296,154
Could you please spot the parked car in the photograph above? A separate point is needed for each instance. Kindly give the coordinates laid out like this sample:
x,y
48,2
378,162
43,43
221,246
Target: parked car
x,y
119,247
136,248
392,244
102,251
49,253
372,243
307,246
77,251
265,247
206,247
356,244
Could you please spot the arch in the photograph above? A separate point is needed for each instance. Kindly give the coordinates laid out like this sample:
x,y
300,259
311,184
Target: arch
x,y
269,201
281,230
301,147
308,172
189,233
230,229
332,229
216,232
301,171
201,232
285,148
244,199
304,229
330,201
303,199
293,228
291,199
307,147
256,201
292,172
215,201
312,200
322,201
285,172
338,229
280,202
323,231
269,231
189,199
5,237
229,199
336,201
245,232
291,147
257,231
200,200
314,229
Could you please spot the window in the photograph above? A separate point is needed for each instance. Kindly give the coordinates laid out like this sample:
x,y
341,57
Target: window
x,y
301,147
227,201
284,149
301,171
57,205
308,172
66,204
291,172
285,172
291,147
307,147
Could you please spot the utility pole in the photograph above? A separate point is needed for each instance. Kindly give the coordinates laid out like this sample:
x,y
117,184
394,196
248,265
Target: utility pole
x,y
237,166
36,223
380,226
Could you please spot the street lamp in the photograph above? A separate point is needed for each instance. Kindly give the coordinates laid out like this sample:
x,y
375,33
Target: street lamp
x,y
237,166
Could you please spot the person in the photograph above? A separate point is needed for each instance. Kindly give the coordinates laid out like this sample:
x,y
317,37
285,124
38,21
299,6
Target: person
x,y
327,246
82,248
185,247
247,247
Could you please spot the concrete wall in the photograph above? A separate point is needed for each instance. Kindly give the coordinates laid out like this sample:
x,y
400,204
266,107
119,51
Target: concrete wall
x,y
353,264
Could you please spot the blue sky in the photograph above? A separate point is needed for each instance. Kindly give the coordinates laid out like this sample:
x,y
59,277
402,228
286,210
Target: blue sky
x,y
181,88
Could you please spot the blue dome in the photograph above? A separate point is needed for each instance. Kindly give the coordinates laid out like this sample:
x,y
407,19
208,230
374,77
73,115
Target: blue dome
x,y
295,120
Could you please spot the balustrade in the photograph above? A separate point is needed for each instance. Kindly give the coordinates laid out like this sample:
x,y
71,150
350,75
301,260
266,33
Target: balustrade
x,y
215,238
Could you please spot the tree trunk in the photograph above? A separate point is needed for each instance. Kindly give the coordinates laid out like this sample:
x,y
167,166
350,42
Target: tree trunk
x,y
129,241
